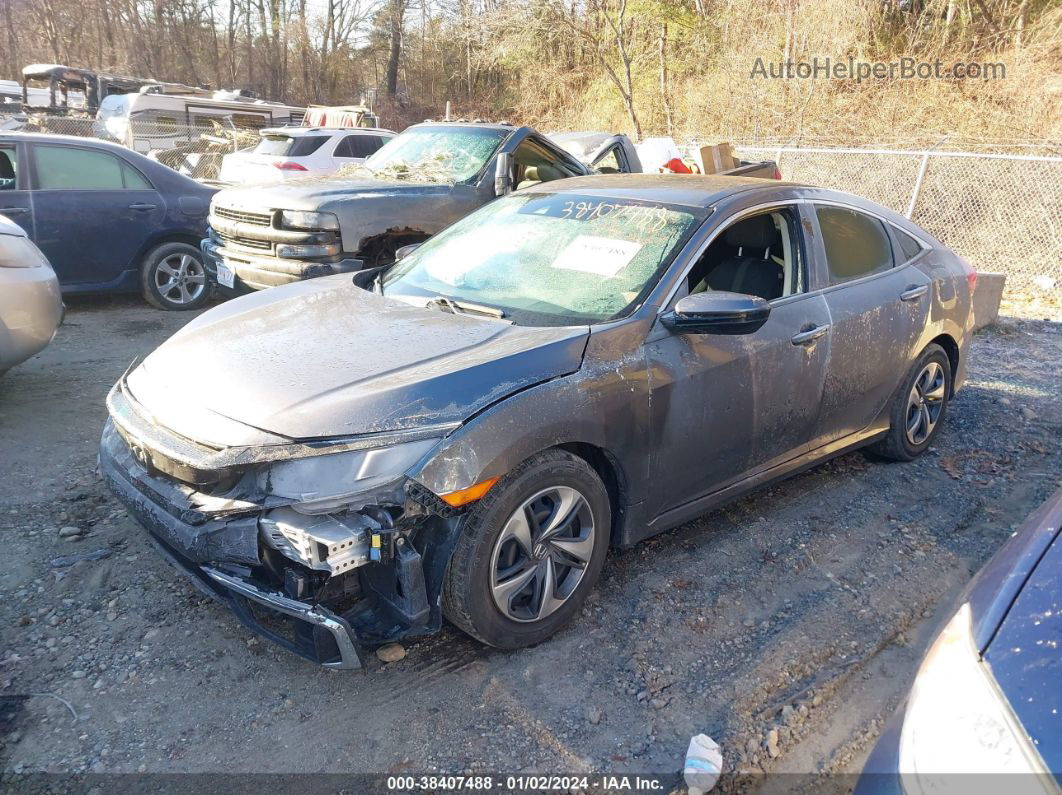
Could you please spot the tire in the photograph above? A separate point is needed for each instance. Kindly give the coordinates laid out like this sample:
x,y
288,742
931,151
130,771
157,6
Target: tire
x,y
180,266
922,403
489,550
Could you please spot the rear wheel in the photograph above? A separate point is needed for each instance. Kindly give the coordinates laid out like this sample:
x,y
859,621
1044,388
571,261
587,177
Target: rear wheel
x,y
919,407
529,552
173,277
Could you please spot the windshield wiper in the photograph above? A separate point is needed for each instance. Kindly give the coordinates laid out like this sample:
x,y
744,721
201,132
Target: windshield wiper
x,y
448,304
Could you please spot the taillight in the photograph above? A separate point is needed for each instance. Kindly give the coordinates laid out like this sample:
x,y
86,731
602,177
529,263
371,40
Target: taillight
x,y
287,165
971,275
777,173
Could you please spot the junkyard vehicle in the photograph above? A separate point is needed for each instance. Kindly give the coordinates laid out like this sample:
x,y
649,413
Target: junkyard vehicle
x,y
985,701
421,181
579,365
608,153
286,153
107,219
31,307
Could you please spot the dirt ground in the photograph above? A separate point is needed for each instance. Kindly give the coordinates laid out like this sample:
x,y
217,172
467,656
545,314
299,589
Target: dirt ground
x,y
786,626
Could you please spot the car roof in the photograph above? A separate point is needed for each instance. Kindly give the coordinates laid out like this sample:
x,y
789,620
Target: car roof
x,y
693,190
297,131
49,138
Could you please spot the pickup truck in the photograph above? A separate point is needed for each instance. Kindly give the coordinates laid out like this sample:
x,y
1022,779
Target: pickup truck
x,y
414,186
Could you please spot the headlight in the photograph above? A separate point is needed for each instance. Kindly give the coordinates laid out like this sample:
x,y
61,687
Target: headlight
x,y
20,252
325,481
302,219
295,251
958,721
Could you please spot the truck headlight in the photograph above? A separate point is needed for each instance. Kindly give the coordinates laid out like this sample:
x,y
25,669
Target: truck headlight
x,y
295,251
303,219
326,481
958,721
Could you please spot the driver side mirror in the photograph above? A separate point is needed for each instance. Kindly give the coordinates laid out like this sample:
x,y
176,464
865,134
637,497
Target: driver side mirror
x,y
717,313
503,174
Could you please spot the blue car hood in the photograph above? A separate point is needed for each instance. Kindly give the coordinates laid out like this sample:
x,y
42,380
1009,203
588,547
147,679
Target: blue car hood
x,y
323,358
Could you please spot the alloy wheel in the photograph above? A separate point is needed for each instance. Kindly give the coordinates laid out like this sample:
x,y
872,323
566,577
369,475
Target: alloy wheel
x,y
542,553
180,279
925,403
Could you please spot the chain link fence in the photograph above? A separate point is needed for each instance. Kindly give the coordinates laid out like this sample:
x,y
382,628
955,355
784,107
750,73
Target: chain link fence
x,y
1001,212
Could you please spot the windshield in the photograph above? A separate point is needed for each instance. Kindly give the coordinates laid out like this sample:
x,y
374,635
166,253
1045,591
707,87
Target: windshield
x,y
552,259
436,154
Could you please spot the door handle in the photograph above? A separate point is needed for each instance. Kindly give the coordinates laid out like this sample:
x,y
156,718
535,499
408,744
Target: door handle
x,y
912,293
809,336
14,210
142,207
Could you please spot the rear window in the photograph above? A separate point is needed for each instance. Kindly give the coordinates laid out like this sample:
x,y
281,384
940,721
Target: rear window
x,y
290,146
358,145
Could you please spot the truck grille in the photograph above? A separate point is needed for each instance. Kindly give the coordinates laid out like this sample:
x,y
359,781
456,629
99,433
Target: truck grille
x,y
240,216
245,242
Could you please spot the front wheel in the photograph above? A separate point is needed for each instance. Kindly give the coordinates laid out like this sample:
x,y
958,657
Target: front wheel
x,y
919,407
529,552
172,276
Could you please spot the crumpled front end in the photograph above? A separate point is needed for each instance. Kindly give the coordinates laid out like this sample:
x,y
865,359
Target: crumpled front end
x,y
321,572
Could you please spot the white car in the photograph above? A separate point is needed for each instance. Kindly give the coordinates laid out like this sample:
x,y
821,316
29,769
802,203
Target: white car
x,y
293,152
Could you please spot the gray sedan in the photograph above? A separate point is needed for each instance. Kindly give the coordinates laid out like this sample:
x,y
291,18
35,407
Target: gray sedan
x,y
31,307
576,366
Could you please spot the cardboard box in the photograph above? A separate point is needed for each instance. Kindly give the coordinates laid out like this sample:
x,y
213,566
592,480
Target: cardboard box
x,y
716,158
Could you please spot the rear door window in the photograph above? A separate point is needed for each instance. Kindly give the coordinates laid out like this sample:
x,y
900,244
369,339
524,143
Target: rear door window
x,y
856,244
8,168
358,146
289,145
909,247
69,168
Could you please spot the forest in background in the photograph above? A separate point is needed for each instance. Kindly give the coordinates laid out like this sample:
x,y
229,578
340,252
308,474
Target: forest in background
x,y
645,67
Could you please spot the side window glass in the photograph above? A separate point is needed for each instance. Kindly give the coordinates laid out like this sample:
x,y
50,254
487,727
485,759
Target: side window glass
x,y
535,164
357,146
608,164
910,247
134,180
343,148
63,168
759,255
8,163
856,244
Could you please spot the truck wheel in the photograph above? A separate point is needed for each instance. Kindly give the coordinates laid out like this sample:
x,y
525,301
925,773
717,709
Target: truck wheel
x,y
529,552
919,407
172,276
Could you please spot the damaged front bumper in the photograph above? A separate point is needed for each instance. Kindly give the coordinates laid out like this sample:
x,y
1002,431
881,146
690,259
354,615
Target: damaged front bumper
x,y
259,272
322,585
231,544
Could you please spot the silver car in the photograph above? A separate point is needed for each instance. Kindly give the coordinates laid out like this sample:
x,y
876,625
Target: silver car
x,y
31,307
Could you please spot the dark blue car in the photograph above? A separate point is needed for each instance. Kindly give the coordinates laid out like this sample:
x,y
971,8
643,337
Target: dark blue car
x,y
985,711
107,218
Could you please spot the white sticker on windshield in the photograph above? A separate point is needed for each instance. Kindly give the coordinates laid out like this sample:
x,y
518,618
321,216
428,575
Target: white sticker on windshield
x,y
603,256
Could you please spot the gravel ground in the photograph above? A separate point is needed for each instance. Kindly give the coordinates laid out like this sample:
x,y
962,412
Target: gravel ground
x,y
786,626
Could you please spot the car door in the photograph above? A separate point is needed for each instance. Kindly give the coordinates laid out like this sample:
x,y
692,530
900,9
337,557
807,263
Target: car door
x,y
724,407
93,214
16,201
878,311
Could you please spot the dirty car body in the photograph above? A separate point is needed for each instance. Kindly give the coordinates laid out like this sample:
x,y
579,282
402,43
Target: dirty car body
x,y
417,184
356,481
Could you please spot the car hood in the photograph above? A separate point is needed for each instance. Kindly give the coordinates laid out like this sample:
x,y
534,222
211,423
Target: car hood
x,y
323,358
316,193
1024,654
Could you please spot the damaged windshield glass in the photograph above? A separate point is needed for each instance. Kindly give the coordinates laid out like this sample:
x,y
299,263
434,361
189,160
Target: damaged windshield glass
x,y
434,154
548,259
